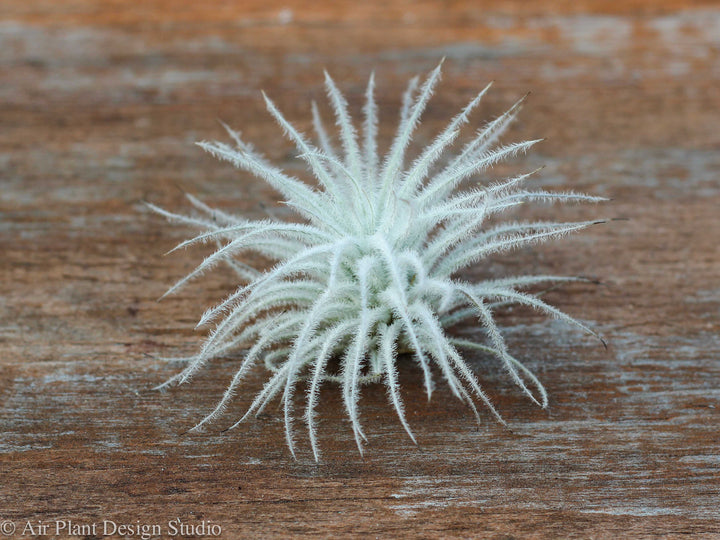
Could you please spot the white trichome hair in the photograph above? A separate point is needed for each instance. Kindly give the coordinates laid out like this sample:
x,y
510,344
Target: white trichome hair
x,y
372,270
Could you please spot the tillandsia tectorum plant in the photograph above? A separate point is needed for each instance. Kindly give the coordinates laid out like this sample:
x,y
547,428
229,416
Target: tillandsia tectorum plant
x,y
372,271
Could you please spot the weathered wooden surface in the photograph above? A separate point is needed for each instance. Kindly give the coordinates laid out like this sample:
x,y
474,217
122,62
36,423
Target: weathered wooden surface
x,y
100,103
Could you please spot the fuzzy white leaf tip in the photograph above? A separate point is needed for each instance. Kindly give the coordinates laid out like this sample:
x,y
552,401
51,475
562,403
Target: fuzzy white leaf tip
x,y
373,272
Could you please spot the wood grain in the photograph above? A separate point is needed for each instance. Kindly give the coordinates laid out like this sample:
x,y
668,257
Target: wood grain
x,y
100,103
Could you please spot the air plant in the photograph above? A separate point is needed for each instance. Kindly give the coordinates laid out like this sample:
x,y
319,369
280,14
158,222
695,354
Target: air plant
x,y
372,271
